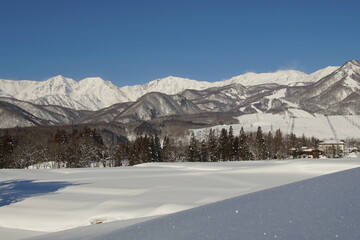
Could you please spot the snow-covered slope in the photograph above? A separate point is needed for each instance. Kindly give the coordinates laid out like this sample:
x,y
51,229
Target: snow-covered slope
x,y
155,104
337,93
298,122
89,93
286,77
281,77
53,200
169,85
16,113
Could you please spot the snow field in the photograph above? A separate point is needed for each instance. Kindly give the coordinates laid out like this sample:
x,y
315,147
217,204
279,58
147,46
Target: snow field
x,y
301,123
79,197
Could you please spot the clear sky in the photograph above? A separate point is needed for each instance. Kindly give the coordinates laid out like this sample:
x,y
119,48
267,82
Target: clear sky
x,y
134,41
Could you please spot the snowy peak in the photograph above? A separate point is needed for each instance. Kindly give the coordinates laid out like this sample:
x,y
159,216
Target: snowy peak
x,y
94,81
94,93
331,94
57,85
88,94
282,77
353,64
169,85
61,80
315,76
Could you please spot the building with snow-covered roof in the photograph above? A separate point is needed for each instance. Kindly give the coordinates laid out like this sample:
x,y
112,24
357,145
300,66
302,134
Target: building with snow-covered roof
x,y
332,148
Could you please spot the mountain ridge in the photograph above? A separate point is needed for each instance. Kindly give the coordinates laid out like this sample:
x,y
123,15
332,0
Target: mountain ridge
x,y
210,104
94,93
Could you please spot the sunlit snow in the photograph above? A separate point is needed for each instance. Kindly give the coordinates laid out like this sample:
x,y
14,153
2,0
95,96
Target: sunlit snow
x,y
53,200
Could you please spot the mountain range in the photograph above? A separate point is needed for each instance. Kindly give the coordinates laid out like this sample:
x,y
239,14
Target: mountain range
x,y
60,100
95,93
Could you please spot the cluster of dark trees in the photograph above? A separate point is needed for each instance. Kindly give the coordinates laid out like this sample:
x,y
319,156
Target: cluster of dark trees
x,y
212,146
77,148
84,147
226,146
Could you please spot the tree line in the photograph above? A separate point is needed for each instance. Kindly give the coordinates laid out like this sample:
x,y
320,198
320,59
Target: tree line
x,y
77,148
84,147
212,146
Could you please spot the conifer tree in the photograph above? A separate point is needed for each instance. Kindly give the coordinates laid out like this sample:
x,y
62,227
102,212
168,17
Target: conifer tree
x,y
193,151
269,141
121,153
212,145
155,146
7,146
244,150
231,145
261,151
235,149
223,145
204,152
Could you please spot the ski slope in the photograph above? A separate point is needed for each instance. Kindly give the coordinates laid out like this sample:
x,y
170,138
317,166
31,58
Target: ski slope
x,y
36,202
299,122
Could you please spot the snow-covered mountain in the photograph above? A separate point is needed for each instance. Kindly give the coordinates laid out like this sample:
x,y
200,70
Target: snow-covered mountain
x,y
16,113
332,90
169,85
281,77
95,93
155,104
337,93
89,93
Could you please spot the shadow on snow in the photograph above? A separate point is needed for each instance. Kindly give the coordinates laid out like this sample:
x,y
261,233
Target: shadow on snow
x,y
17,190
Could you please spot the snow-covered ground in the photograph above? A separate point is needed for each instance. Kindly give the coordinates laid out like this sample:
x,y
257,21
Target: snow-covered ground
x,y
35,202
299,122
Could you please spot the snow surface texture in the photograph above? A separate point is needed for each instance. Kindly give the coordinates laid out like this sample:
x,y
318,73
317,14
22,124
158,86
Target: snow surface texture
x,y
326,207
298,122
54,200
95,93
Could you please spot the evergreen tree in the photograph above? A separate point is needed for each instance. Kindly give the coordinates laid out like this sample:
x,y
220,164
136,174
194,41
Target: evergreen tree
x,y
224,145
244,150
139,150
7,146
261,149
269,141
121,153
235,149
156,155
212,146
204,152
232,146
193,151
293,144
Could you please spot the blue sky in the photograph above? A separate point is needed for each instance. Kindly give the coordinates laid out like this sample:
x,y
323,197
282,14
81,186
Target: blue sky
x,y
134,41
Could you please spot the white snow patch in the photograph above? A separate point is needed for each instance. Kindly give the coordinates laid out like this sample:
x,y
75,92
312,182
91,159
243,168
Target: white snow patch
x,y
304,123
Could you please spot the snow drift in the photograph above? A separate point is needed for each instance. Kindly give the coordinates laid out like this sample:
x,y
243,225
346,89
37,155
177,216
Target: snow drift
x,y
325,207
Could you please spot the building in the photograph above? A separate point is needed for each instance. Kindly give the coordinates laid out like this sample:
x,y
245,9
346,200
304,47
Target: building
x,y
305,152
332,148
